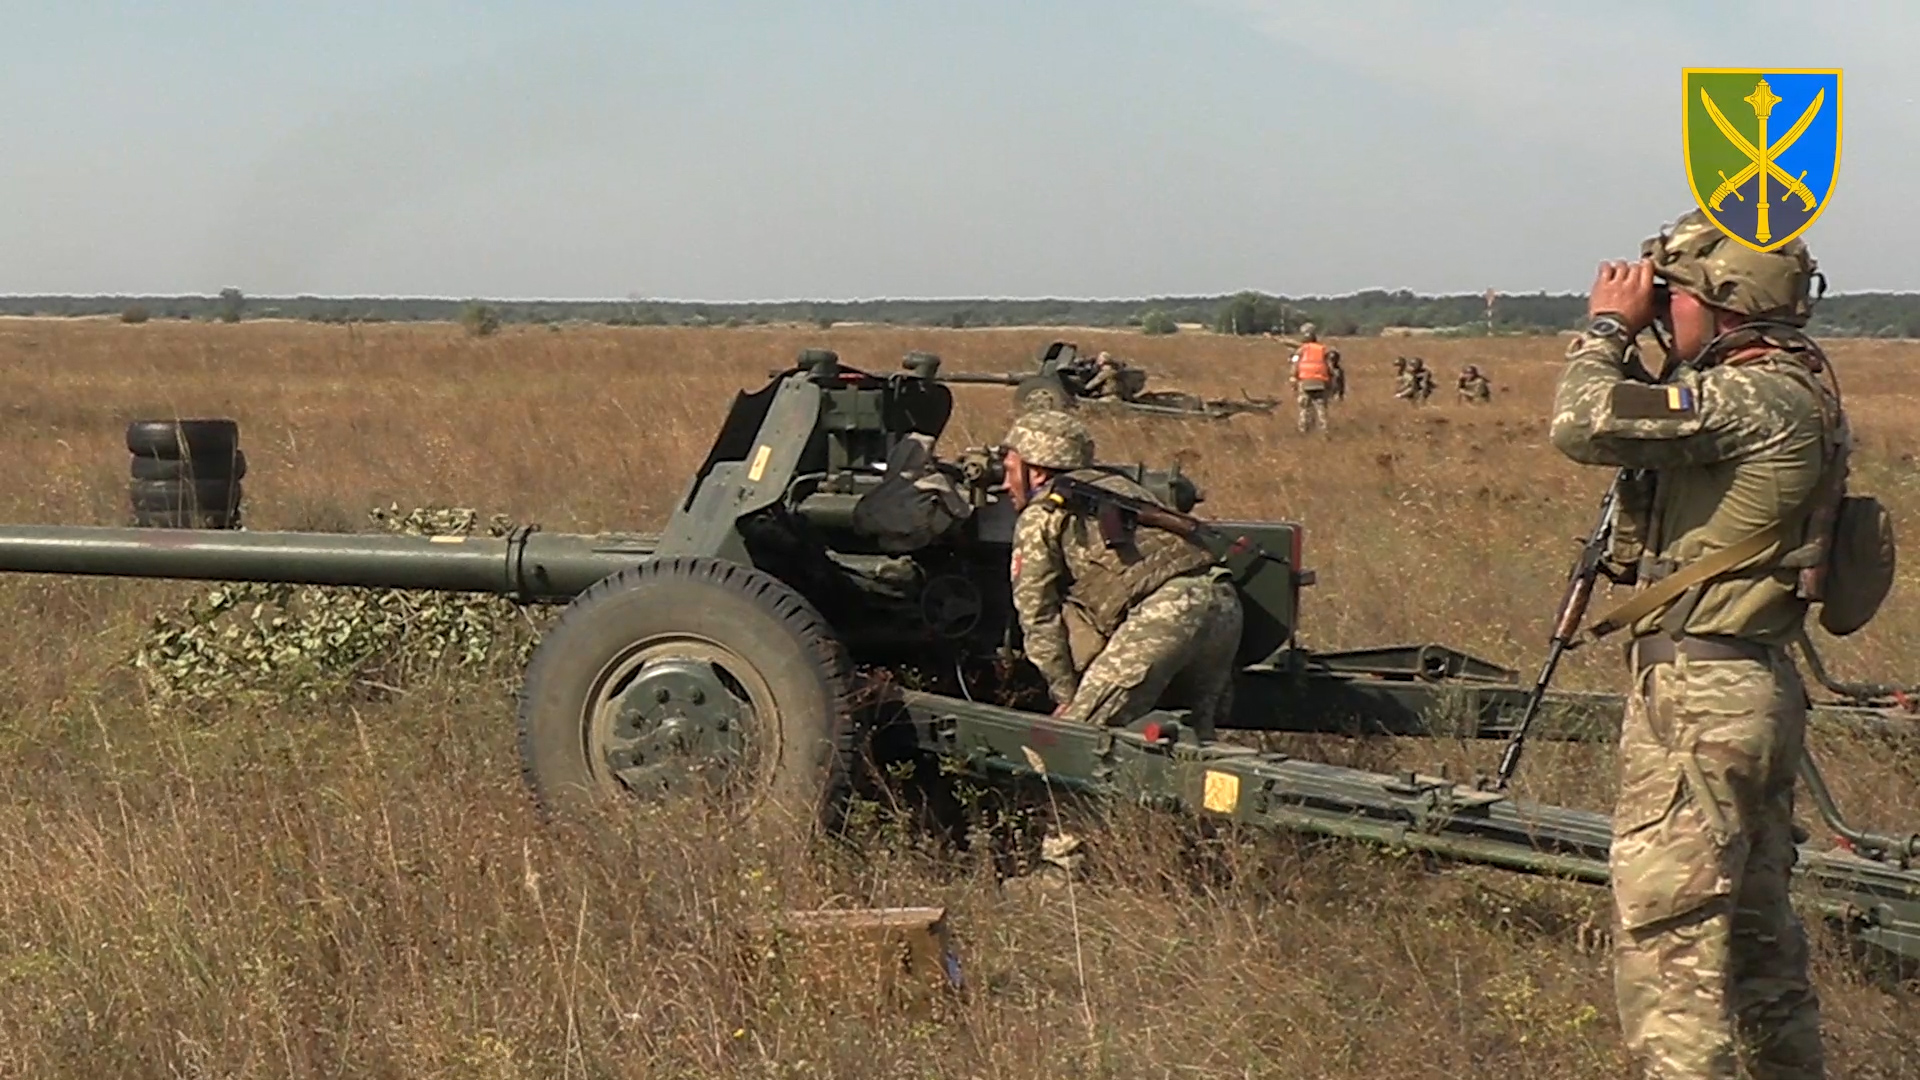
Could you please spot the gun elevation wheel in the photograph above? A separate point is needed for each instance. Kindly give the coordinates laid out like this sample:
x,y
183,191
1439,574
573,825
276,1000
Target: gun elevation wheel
x,y
691,678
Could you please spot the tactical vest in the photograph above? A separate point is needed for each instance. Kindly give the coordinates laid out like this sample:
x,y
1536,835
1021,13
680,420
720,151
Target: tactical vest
x,y
1313,366
1801,534
1107,582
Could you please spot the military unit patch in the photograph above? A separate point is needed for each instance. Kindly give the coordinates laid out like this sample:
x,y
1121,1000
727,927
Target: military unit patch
x,y
1761,190
1641,401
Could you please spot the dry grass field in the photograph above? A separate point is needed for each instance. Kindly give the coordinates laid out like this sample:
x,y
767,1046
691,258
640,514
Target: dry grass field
x,y
358,886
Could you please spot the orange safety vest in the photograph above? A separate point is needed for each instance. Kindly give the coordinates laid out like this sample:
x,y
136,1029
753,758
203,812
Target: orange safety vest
x,y
1313,365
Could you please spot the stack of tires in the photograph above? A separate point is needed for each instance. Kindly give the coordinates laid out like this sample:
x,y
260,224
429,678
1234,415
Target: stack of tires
x,y
186,473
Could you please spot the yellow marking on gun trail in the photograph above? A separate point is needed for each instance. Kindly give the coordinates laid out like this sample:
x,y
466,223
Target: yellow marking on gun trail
x,y
1222,792
759,466
446,539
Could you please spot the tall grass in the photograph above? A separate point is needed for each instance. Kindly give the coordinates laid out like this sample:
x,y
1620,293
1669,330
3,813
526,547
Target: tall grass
x,y
362,888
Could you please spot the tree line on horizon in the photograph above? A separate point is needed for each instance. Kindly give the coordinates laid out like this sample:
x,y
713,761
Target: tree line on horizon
x,y
1884,315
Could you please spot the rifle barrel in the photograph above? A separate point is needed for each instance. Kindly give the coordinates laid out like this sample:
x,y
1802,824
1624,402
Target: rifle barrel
x,y
1510,757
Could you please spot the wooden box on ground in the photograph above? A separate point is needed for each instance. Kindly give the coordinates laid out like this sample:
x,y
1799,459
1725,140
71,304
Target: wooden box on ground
x,y
868,958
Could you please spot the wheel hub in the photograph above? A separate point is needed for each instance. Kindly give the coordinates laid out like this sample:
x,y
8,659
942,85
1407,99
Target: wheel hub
x,y
678,724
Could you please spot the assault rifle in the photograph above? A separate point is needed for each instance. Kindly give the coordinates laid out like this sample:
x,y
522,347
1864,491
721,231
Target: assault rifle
x,y
1119,515
1588,567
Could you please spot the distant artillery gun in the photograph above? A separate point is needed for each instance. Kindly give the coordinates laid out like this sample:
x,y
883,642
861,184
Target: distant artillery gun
x,y
1063,379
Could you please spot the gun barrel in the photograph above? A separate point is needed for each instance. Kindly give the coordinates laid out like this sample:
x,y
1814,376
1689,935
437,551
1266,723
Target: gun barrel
x,y
531,566
980,377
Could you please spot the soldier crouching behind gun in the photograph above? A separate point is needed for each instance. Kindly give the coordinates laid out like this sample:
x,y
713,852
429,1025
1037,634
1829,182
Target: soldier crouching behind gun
x,y
1710,962
1112,629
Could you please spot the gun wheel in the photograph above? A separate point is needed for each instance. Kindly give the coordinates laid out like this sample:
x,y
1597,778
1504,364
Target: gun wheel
x,y
690,678
1039,393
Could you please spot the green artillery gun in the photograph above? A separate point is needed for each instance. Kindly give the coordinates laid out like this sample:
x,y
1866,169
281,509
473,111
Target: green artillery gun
x,y
757,649
1062,380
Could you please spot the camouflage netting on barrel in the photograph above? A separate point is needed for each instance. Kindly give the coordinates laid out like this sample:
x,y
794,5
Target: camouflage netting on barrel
x,y
315,643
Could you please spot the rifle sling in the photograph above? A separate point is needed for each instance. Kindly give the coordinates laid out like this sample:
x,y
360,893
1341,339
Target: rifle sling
x,y
1670,587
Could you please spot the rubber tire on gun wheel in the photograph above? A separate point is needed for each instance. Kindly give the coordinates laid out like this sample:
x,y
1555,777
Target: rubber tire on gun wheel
x,y
762,624
203,439
1039,392
146,467
167,496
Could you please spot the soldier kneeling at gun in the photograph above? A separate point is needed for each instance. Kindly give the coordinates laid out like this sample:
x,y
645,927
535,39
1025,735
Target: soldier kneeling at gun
x,y
1113,623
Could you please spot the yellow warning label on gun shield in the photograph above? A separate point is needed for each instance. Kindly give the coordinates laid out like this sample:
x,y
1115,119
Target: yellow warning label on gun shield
x,y
1222,792
759,466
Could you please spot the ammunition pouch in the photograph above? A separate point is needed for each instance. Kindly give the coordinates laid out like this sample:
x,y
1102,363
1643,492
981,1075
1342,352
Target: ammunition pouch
x,y
1846,561
1083,641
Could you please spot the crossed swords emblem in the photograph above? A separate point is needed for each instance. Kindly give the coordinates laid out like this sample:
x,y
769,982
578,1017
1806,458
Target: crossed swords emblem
x,y
1760,158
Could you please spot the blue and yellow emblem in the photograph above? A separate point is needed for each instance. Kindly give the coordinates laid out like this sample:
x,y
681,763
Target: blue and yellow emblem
x,y
1763,147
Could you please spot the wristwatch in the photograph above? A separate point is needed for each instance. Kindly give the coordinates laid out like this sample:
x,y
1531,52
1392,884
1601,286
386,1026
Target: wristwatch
x,y
1606,326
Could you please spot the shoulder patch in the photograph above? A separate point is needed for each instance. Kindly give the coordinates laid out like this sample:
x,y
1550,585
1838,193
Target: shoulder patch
x,y
1643,401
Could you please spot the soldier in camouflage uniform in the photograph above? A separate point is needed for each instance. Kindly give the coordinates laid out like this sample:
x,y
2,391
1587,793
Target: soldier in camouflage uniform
x,y
1474,387
1113,631
1104,381
1710,962
1423,382
1108,378
1414,383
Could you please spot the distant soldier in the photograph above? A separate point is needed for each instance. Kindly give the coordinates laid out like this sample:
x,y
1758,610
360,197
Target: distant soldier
x,y
1415,383
1339,374
1474,387
1112,630
1107,381
1311,374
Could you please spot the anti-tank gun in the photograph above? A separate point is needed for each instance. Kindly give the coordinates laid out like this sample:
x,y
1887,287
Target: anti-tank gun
x,y
754,649
1063,378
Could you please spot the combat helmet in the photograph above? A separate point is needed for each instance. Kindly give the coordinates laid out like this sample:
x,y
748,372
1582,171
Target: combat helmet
x,y
1470,370
1695,255
1309,332
1052,440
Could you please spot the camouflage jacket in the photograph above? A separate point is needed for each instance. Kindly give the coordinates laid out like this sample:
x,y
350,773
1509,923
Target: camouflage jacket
x,y
1475,388
1068,586
1733,450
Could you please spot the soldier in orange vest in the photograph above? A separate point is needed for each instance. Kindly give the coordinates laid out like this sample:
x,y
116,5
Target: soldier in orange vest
x,y
1312,378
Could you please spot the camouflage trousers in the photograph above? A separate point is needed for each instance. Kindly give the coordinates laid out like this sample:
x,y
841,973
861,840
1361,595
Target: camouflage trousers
x,y
1710,962
1313,408
1176,648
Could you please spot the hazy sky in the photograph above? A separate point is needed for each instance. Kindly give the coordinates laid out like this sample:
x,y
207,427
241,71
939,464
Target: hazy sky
x,y
751,149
